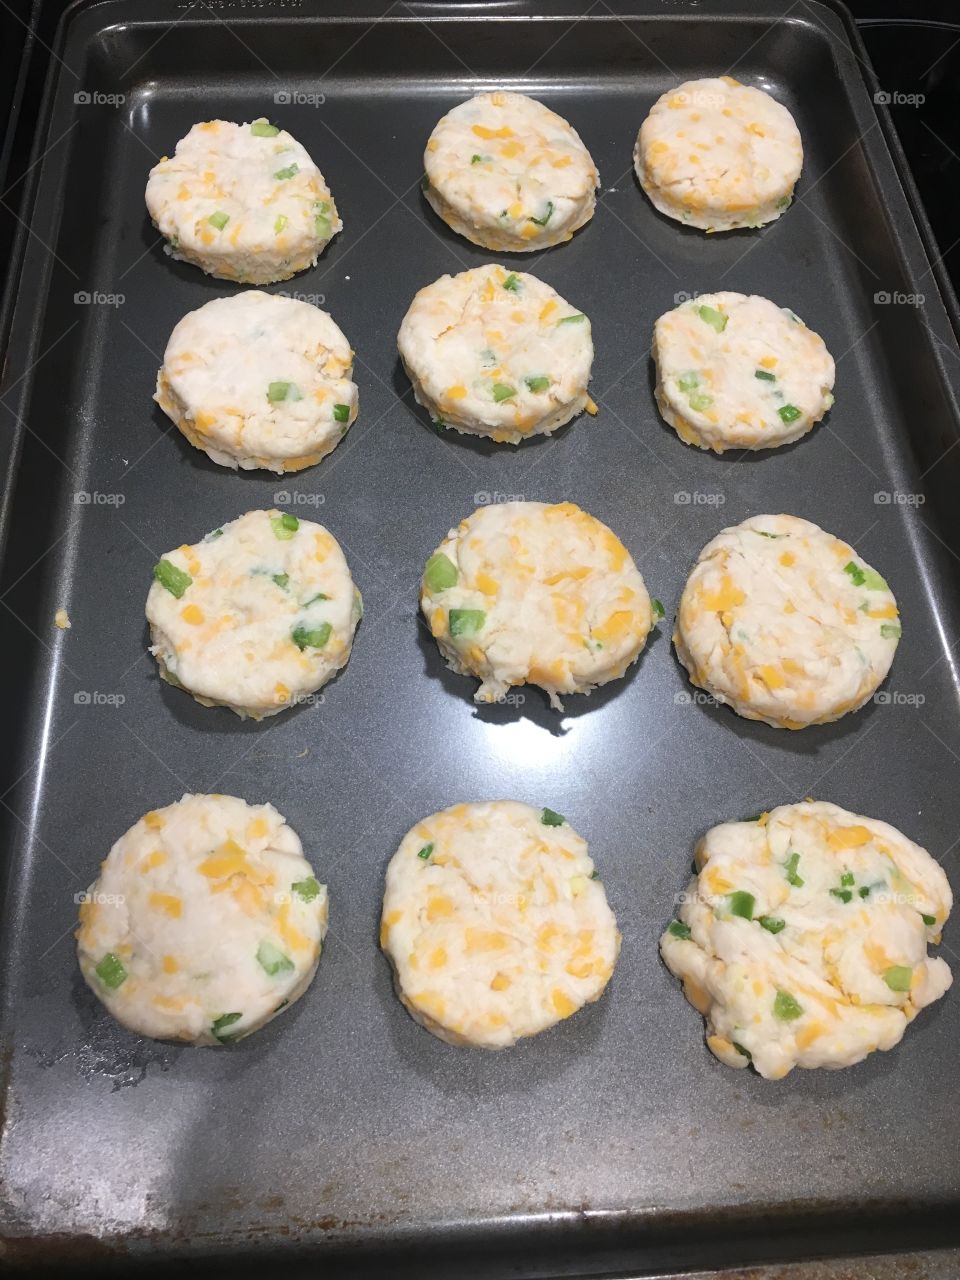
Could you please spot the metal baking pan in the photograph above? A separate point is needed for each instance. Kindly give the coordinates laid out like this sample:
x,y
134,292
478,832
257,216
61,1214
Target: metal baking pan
x,y
343,1136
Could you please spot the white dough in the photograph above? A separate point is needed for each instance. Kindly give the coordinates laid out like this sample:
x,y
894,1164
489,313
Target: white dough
x,y
495,923
508,173
803,937
243,202
256,616
719,155
535,593
205,921
257,380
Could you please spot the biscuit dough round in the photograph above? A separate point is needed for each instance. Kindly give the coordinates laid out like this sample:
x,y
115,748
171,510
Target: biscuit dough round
x,y
257,380
509,174
739,372
719,155
242,202
255,617
803,937
495,924
535,593
497,354
786,623
205,921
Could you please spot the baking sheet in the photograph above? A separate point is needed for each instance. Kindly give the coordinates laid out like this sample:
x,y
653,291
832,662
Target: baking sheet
x,y
343,1132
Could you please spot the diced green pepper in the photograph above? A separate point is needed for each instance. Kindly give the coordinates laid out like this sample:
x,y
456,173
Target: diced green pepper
x,y
512,283
853,570
550,818
426,851
219,219
476,159
542,222
307,889
786,1007
699,400
574,319
714,318
789,412
688,381
281,579
466,622
898,977
220,1024
322,225
311,637
169,576
282,174
280,222
929,921
772,924
742,904
501,391
740,1049
844,895
341,413
277,392
313,599
441,573
111,971
764,376
847,879
790,870
284,527
264,129
272,960
873,581
657,609
890,630
537,385
677,929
